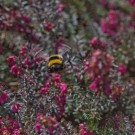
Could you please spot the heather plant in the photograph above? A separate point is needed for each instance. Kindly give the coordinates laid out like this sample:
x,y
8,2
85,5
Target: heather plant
x,y
30,21
109,20
90,98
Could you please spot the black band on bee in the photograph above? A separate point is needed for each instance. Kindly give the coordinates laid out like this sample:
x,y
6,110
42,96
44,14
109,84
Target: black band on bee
x,y
54,57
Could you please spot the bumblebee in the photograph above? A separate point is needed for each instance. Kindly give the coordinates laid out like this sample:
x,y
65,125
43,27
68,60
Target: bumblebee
x,y
63,59
55,63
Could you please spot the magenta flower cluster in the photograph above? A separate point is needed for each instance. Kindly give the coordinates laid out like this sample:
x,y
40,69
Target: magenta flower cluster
x,y
111,24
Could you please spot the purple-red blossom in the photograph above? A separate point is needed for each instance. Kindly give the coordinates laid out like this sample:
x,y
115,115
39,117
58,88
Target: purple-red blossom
x,y
11,60
111,24
3,97
26,62
16,132
58,83
133,128
15,70
60,100
48,121
48,26
60,7
26,19
9,126
133,125
122,69
57,77
96,43
93,85
23,50
131,2
107,4
63,88
15,107
43,90
37,127
103,2
84,131
46,83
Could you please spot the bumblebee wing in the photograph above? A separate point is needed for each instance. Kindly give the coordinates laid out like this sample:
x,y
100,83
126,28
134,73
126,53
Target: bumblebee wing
x,y
38,51
64,49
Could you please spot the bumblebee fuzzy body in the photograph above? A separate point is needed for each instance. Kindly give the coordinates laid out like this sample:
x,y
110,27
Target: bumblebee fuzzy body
x,y
63,59
55,63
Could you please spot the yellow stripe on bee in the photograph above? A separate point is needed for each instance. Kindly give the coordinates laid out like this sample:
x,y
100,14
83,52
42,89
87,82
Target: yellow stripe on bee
x,y
56,55
56,61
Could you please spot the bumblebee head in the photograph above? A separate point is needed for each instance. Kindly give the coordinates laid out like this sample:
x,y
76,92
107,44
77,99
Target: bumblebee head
x,y
56,68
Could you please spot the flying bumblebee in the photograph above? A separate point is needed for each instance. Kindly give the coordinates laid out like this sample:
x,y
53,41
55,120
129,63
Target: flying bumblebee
x,y
64,59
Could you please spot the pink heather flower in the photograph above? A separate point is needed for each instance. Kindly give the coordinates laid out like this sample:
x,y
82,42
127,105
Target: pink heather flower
x,y
131,2
38,116
43,90
86,65
104,25
26,19
83,130
103,2
19,28
48,26
37,127
4,96
11,60
16,132
60,7
26,62
98,79
15,70
15,107
122,69
63,88
81,125
94,42
133,128
33,38
111,23
57,77
47,83
93,85
15,124
23,50
107,4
